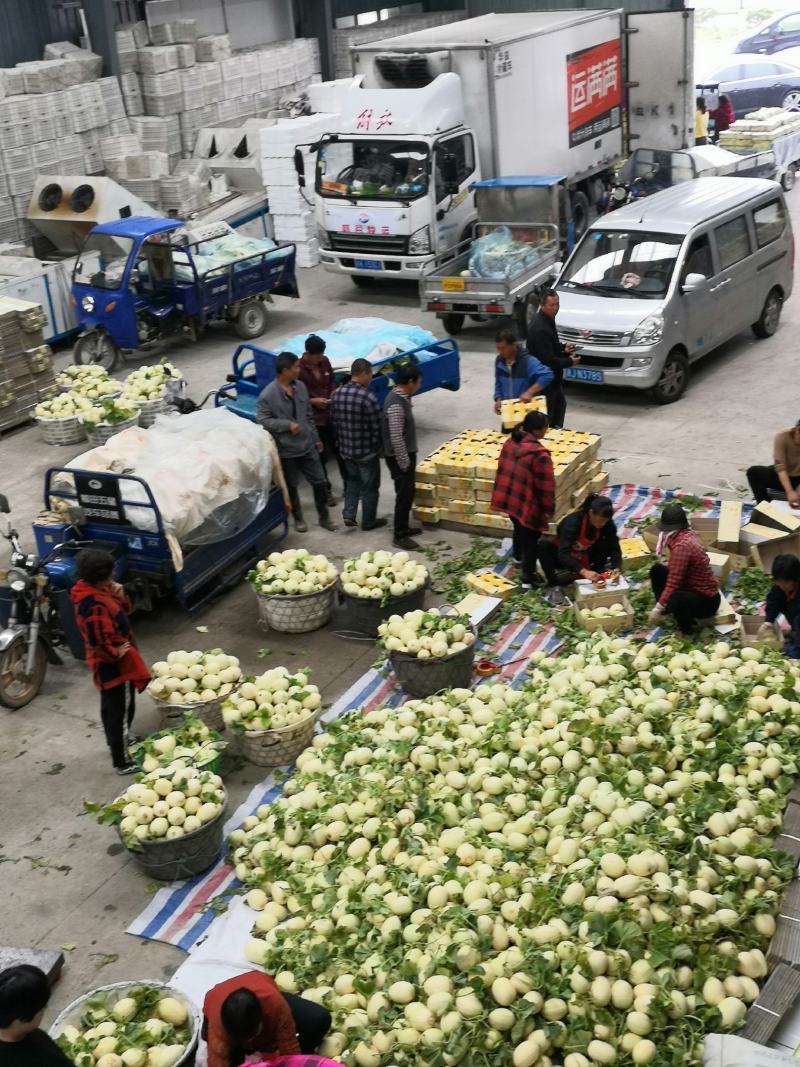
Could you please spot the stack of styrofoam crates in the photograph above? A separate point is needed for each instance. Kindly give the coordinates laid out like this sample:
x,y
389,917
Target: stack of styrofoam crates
x,y
292,217
129,39
26,364
158,134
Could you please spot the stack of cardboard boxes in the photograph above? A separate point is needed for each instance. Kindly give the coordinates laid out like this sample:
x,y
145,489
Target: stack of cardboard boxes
x,y
26,364
454,484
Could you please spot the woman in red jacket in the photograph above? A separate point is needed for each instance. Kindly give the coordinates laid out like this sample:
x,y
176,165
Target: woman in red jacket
x,y
723,116
686,589
248,1015
524,489
101,608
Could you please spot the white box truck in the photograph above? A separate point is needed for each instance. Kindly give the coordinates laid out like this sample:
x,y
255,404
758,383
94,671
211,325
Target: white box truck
x,y
535,93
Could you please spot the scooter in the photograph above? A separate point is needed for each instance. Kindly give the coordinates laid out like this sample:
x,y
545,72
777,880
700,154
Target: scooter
x,y
36,618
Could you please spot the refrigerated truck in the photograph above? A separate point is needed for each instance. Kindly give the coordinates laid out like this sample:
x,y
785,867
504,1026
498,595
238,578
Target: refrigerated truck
x,y
541,92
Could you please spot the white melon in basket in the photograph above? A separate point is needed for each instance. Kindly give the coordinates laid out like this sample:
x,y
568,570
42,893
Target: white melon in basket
x,y
382,575
192,677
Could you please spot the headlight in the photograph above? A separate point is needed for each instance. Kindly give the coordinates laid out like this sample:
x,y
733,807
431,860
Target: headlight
x,y
420,241
641,361
87,303
649,330
18,586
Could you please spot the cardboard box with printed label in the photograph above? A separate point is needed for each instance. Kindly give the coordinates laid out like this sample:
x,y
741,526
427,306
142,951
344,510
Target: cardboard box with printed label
x,y
779,514
764,554
754,533
730,524
490,584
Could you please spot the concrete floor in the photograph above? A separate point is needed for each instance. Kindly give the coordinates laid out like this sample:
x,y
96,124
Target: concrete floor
x,y
66,880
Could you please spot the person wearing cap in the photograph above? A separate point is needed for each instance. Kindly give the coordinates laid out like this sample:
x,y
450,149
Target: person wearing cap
x,y
316,374
687,589
784,474
784,599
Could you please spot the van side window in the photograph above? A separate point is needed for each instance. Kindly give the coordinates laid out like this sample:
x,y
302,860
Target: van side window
x,y
733,242
698,260
769,221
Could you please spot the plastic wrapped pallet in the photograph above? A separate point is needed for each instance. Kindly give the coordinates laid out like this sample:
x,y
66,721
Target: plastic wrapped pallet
x,y
213,48
307,253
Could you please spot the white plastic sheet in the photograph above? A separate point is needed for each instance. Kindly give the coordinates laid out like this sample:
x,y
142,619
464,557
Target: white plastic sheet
x,y
209,472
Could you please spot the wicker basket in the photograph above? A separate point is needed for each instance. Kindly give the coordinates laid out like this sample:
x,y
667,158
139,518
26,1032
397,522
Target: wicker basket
x,y
296,614
71,1015
422,677
69,431
214,744
104,430
275,748
148,409
207,711
181,857
365,615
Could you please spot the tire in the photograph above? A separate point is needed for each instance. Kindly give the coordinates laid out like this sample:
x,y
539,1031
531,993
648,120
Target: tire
x,y
453,322
792,100
251,320
770,315
674,378
16,688
580,212
98,348
788,178
362,281
524,312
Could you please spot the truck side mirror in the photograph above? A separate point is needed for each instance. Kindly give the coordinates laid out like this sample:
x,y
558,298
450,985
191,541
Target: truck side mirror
x,y
4,508
449,166
692,282
300,167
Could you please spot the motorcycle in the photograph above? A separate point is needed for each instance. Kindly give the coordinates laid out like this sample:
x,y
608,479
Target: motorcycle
x,y
36,618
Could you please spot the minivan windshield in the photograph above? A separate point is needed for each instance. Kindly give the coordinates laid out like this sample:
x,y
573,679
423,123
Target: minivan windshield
x,y
623,263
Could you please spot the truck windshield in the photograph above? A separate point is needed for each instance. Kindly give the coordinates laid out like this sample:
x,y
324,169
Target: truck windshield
x,y
102,261
619,263
373,170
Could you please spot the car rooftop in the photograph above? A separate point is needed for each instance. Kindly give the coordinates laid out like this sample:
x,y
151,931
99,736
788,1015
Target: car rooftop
x,y
685,205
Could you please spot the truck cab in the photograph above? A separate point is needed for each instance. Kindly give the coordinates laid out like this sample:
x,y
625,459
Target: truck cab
x,y
393,186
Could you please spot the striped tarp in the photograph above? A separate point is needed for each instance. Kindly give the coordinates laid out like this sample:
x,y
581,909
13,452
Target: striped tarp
x,y
180,914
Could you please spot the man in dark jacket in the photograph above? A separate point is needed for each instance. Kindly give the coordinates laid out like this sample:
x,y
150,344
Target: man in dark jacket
x,y
543,343
283,408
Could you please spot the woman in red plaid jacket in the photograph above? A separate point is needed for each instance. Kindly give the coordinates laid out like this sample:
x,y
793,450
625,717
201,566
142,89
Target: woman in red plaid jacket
x,y
524,489
101,612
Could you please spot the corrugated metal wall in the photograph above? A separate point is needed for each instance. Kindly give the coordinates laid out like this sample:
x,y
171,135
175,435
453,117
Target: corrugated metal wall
x,y
26,26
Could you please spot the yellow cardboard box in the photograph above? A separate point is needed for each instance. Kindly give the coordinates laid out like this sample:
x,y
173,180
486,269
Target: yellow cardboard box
x,y
730,524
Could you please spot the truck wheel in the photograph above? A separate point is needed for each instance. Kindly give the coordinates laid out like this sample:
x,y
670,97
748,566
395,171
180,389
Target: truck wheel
x,y
674,378
788,177
524,312
251,320
453,323
96,347
580,212
16,687
770,315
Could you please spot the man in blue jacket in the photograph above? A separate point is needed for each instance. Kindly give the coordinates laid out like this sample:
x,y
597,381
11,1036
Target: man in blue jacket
x,y
517,375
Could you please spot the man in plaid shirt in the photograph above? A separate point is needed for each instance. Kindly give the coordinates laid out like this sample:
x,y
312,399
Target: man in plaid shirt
x,y
356,422
524,489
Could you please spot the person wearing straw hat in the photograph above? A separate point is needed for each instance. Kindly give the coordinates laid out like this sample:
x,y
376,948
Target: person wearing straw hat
x,y
24,993
101,613
687,588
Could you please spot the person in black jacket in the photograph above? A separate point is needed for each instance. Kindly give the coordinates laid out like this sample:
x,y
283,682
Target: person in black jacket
x,y
543,343
24,993
585,546
784,599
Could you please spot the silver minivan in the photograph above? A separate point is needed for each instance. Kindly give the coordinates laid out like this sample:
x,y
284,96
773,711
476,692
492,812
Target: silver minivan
x,y
656,284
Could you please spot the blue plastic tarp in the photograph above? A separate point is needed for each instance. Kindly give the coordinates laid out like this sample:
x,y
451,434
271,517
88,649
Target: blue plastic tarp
x,y
373,339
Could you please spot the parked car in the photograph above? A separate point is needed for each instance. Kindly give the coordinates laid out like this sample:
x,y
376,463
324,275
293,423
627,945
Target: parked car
x,y
753,81
777,33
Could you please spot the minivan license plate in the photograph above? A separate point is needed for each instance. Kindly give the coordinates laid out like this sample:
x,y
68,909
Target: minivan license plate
x,y
584,374
368,264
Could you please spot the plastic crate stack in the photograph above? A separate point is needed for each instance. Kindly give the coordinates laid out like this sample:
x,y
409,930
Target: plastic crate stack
x,y
52,124
26,364
454,484
290,208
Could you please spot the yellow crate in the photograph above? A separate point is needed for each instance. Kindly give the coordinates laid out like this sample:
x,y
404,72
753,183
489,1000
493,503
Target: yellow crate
x,y
491,584
482,484
461,507
431,516
461,485
633,547
493,520
513,412
424,493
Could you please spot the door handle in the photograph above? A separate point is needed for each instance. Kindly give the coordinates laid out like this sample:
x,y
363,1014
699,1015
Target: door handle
x,y
721,285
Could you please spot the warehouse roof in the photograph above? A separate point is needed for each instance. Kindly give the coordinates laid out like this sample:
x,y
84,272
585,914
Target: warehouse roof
x,y
488,30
